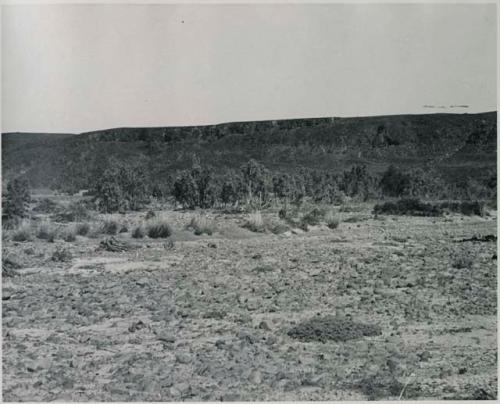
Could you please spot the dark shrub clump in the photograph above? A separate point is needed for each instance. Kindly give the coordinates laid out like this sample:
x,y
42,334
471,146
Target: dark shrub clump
x,y
110,227
159,230
408,207
332,328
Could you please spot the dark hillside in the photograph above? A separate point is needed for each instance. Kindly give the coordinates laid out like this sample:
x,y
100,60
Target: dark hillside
x,y
455,144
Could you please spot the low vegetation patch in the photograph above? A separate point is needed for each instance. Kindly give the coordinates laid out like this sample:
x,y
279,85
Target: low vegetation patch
x,y
9,266
82,229
114,245
62,254
75,212
332,328
159,229
408,207
202,225
263,269
468,208
462,260
46,205
313,217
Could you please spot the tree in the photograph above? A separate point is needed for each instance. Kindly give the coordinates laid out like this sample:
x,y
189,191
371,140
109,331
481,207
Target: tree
x,y
16,200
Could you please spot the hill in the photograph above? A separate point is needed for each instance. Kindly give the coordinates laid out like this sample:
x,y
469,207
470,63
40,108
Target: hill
x,y
457,145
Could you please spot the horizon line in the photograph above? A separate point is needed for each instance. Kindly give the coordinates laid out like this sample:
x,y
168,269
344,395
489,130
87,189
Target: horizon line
x,y
246,121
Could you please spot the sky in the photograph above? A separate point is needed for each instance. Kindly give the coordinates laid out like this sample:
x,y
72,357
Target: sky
x,y
76,68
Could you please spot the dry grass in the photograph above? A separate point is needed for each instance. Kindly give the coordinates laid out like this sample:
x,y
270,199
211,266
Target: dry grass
x,y
23,233
202,225
46,231
332,219
255,222
139,231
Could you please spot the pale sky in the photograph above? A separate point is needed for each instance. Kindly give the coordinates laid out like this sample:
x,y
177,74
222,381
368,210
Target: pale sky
x,y
75,68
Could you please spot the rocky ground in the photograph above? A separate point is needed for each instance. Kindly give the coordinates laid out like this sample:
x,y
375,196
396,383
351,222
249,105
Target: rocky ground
x,y
210,317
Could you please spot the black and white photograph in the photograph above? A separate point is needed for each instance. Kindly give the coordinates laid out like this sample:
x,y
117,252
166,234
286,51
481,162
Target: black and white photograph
x,y
257,201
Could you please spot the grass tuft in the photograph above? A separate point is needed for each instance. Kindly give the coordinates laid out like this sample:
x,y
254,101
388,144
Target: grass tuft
x,y
159,229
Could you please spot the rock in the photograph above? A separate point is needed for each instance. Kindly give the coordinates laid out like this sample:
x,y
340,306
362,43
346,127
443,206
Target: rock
x,y
183,357
138,325
220,343
142,282
297,231
183,388
255,377
264,326
166,337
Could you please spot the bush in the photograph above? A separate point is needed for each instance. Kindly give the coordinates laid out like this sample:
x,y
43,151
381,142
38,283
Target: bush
x,y
462,260
202,225
110,227
82,229
255,222
139,232
22,233
124,229
62,254
47,232
159,229
150,215
332,220
409,207
69,235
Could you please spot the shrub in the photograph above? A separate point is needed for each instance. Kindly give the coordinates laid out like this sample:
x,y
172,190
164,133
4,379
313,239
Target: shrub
x,y
139,232
69,235
62,254
159,229
332,220
82,229
22,233
47,232
255,222
462,260
202,225
124,229
150,215
409,207
110,227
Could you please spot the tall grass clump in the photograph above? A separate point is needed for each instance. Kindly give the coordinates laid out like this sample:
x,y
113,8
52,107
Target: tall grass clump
x,y
46,232
159,229
23,233
69,235
255,222
82,229
202,225
332,219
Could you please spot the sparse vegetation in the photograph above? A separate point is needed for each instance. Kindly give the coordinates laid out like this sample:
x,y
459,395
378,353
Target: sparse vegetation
x,y
62,254
75,212
15,201
69,235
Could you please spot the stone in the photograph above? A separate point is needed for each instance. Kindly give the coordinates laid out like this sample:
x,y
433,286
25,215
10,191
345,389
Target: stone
x,y
255,377
183,357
